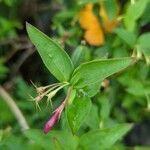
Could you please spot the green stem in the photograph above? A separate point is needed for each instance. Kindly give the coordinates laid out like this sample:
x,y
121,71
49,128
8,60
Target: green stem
x,y
68,94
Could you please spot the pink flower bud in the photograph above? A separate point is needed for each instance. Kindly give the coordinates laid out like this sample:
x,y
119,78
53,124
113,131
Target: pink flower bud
x,y
51,122
54,118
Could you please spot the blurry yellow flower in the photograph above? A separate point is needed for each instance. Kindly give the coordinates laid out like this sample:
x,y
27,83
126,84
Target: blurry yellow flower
x,y
108,24
88,21
94,37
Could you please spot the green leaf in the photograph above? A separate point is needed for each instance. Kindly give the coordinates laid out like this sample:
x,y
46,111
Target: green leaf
x,y
128,37
142,148
135,10
80,55
92,120
77,112
53,140
133,13
92,89
111,8
64,15
105,106
55,58
103,139
145,16
144,44
83,2
96,71
37,136
1,135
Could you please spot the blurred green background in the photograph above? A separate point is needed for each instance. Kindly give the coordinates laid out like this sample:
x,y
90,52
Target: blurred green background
x,y
122,98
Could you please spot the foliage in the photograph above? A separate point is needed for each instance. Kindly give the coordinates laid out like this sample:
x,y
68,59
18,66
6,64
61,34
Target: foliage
x,y
93,69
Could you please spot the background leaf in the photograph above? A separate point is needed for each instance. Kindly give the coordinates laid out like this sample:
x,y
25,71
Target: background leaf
x,y
80,55
111,8
128,37
103,139
53,140
144,44
134,12
55,59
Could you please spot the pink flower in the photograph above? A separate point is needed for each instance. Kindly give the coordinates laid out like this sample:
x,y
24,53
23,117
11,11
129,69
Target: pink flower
x,y
54,118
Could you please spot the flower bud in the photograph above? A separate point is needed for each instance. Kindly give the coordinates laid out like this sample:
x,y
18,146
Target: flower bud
x,y
54,118
38,98
40,90
51,122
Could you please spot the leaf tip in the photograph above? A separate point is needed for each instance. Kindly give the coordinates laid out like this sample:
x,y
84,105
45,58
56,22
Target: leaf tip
x,y
28,27
28,24
130,125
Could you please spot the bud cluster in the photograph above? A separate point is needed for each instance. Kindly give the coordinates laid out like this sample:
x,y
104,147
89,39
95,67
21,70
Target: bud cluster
x,y
49,91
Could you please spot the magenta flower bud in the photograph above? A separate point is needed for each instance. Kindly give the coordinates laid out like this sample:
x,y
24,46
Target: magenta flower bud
x,y
51,122
54,118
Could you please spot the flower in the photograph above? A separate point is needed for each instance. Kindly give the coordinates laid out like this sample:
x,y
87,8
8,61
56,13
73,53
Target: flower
x,y
93,31
50,91
54,118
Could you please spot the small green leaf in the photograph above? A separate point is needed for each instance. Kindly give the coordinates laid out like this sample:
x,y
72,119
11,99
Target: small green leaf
x,y
133,13
62,16
111,8
77,112
128,37
93,119
96,71
80,55
144,44
38,137
55,58
103,139
62,139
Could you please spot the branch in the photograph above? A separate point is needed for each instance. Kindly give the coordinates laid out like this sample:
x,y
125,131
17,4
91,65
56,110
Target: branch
x,y
14,108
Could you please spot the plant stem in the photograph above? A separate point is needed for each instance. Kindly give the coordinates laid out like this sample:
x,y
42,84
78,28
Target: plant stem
x,y
14,108
68,94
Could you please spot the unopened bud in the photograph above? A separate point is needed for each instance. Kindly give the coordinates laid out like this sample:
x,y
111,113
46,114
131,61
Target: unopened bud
x,y
54,118
38,98
51,122
40,90
51,94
